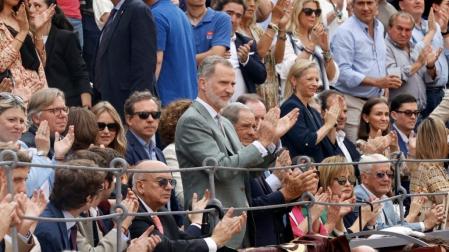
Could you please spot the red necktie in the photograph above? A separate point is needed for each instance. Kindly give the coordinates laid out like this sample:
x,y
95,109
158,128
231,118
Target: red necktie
x,y
158,223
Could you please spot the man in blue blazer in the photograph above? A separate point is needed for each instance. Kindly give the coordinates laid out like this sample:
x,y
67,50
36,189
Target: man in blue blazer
x,y
125,60
249,68
376,183
142,113
73,192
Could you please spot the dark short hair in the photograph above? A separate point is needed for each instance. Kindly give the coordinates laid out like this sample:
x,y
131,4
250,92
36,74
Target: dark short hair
x,y
219,4
325,95
108,154
72,186
397,102
137,97
85,125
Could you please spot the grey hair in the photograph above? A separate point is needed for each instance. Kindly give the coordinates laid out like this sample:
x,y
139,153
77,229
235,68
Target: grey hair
x,y
366,168
401,14
232,111
207,67
42,99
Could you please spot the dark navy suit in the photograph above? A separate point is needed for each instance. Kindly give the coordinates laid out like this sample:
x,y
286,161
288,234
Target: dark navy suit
x,y
52,236
125,59
301,138
266,227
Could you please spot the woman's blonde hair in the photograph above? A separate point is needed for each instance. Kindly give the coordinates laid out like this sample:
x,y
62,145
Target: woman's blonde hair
x,y
296,71
119,143
329,172
298,6
431,140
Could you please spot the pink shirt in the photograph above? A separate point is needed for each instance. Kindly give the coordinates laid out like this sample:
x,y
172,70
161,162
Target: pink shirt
x,y
71,8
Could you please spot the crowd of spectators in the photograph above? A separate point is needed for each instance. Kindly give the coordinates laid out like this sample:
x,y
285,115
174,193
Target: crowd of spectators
x,y
167,84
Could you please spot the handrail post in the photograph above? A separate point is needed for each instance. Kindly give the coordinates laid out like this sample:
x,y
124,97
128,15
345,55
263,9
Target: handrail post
x,y
119,163
10,185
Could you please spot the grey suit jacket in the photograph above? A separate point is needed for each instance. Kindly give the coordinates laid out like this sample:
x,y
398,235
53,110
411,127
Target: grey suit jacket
x,y
198,137
84,239
442,110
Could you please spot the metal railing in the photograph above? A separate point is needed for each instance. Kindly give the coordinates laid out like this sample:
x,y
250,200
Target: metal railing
x,y
119,211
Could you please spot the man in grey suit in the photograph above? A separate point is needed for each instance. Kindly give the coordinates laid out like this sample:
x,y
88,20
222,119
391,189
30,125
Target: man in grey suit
x,y
202,133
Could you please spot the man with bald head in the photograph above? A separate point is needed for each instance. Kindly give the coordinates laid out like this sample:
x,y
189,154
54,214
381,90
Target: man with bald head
x,y
153,191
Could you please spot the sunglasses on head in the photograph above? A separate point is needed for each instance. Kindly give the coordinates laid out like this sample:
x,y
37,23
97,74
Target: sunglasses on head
x,y
342,180
163,182
111,126
309,11
145,114
409,113
381,175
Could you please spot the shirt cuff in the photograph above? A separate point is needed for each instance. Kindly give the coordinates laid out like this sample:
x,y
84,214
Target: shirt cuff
x,y
247,59
26,239
263,151
423,227
211,244
196,225
274,182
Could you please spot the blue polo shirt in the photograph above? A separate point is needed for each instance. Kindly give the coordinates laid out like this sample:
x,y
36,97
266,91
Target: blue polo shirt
x,y
214,29
177,79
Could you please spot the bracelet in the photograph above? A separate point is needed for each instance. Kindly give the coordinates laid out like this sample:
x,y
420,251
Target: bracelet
x,y
327,56
283,38
21,41
445,33
309,51
274,27
59,158
124,230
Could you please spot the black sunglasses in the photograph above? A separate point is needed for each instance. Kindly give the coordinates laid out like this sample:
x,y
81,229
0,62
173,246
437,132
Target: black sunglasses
x,y
145,114
111,126
309,11
381,175
409,113
163,182
342,180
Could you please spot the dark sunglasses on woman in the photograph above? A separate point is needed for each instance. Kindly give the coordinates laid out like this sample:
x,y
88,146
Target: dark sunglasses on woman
x,y
309,11
110,126
342,180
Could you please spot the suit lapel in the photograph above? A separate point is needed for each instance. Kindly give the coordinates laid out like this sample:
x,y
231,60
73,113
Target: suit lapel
x,y
106,36
61,226
139,151
50,44
214,126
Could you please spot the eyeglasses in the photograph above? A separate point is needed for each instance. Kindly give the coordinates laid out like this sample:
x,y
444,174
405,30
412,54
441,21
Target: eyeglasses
x,y
409,113
342,180
163,182
57,111
145,114
309,11
381,175
110,126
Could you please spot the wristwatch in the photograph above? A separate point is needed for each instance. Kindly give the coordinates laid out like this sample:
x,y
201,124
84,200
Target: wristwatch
x,y
271,148
327,55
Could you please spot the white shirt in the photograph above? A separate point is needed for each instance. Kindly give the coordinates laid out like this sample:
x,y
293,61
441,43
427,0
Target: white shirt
x,y
70,224
340,142
240,86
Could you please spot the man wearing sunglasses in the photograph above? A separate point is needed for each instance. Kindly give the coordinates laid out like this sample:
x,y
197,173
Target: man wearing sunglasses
x,y
405,112
153,191
142,113
376,183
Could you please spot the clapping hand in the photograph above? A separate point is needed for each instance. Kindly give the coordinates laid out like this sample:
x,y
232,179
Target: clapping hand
x,y
320,37
286,123
243,51
38,21
42,138
62,146
199,205
228,227
145,243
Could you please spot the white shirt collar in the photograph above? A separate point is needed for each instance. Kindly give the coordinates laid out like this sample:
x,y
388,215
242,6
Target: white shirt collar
x,y
145,205
341,135
208,107
403,136
69,225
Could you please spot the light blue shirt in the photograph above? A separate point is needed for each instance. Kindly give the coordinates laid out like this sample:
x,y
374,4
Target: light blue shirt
x,y
146,146
437,42
359,56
